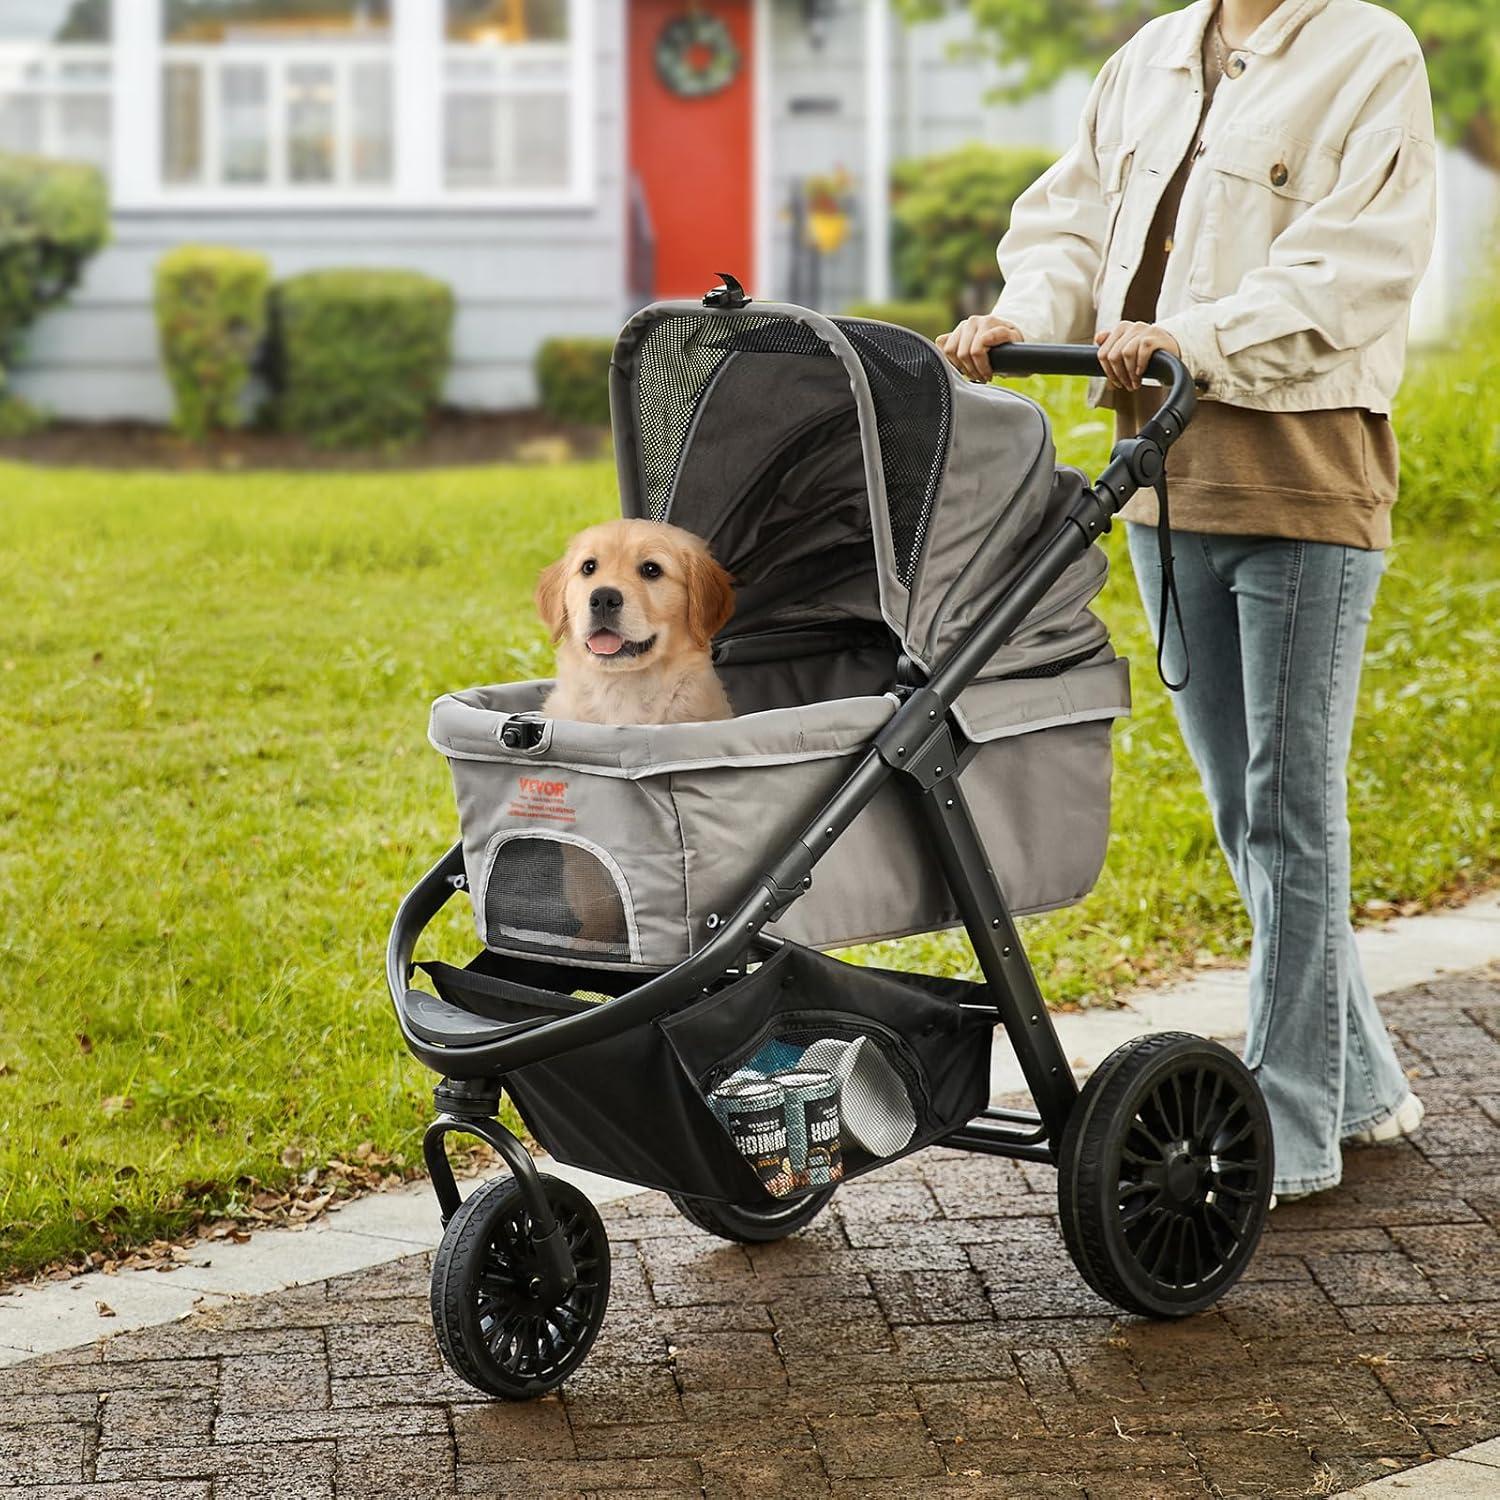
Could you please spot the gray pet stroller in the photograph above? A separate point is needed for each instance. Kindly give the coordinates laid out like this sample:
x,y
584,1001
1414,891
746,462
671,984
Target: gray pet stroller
x,y
922,740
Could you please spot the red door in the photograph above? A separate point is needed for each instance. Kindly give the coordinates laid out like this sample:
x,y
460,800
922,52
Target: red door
x,y
690,138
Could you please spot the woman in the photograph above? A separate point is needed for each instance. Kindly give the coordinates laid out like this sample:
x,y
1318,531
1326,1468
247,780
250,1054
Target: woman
x,y
1252,190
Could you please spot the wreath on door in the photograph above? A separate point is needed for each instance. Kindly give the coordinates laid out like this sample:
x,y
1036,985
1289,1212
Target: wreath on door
x,y
696,56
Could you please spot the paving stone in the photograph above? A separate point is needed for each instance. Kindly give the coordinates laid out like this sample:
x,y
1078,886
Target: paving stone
x,y
927,1336
603,1393
272,1382
46,1452
728,1362
741,1476
932,1296
876,1447
139,1418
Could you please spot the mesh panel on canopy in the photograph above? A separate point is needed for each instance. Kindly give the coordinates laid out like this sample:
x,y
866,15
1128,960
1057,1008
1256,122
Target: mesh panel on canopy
x,y
677,368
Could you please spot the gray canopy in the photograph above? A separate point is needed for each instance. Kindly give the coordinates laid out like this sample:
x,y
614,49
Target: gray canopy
x,y
846,475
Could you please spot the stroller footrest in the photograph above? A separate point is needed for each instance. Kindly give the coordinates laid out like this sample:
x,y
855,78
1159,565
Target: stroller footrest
x,y
448,1025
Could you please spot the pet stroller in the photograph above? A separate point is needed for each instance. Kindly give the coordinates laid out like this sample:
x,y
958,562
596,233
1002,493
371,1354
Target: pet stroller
x,y
924,702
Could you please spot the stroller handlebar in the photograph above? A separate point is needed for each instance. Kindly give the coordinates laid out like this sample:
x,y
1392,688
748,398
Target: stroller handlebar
x,y
1083,359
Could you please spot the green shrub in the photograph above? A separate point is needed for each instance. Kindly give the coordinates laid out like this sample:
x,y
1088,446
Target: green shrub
x,y
358,357
948,214
929,318
53,217
18,418
210,319
572,377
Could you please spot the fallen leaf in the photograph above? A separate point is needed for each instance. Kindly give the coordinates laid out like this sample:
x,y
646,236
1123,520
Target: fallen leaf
x,y
104,1309
117,1104
85,1043
291,1157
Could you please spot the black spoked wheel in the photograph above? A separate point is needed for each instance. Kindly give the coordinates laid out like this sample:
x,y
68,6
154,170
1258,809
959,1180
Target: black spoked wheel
x,y
495,1325
1164,1174
752,1226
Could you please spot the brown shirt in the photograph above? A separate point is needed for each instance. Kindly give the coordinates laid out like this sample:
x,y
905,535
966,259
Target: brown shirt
x,y
1317,476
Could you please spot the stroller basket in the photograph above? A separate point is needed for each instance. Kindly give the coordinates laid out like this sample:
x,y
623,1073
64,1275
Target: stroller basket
x,y
635,1106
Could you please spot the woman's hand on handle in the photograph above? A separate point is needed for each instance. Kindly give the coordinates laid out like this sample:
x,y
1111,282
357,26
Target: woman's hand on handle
x,y
968,346
1126,349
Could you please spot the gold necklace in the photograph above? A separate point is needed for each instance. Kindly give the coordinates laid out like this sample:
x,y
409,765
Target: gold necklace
x,y
1219,45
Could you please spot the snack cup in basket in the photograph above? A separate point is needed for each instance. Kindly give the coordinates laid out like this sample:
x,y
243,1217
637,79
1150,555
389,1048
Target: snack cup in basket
x,y
874,1108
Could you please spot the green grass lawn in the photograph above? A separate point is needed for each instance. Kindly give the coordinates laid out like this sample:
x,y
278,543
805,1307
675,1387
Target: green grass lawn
x,y
215,785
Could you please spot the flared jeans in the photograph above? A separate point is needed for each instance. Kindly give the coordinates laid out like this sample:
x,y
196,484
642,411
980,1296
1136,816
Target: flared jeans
x,y
1276,631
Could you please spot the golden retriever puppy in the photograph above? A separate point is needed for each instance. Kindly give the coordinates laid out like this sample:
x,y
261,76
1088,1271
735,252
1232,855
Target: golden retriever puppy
x,y
633,607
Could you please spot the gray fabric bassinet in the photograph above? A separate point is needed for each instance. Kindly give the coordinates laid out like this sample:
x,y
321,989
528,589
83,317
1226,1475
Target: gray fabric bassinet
x,y
871,504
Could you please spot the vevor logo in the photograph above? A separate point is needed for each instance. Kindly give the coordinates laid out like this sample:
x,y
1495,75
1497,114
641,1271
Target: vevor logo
x,y
531,787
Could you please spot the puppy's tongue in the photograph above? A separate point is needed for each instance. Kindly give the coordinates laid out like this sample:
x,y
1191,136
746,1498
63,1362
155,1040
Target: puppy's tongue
x,y
605,642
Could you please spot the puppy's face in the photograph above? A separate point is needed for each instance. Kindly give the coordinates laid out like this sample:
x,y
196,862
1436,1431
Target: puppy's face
x,y
631,594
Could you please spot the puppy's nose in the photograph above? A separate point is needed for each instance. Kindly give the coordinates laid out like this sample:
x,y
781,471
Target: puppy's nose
x,y
605,601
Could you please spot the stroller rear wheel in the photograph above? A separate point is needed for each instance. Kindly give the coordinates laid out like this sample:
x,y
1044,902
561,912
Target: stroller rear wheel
x,y
1164,1174
495,1324
752,1226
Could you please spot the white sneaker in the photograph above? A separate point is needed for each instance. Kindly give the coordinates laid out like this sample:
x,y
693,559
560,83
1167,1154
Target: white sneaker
x,y
1405,1121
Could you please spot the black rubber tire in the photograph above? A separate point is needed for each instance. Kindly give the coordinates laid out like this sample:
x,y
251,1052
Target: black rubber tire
x,y
752,1226
1140,1170
481,1240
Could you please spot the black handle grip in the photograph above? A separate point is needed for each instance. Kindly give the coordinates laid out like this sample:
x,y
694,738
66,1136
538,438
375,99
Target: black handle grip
x,y
1083,359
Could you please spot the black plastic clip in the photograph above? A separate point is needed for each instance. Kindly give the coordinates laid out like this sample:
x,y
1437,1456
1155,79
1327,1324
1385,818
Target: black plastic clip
x,y
727,297
522,734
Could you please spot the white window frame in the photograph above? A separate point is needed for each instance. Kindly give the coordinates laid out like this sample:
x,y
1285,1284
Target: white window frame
x,y
416,50
52,88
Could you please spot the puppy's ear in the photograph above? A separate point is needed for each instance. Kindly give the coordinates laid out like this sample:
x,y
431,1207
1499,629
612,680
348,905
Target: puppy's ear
x,y
710,592
551,598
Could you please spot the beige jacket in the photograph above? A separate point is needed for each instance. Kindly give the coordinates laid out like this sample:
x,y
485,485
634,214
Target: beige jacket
x,y
1305,226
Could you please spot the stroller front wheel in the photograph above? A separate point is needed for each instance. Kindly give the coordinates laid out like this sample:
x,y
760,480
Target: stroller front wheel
x,y
1164,1174
496,1327
752,1226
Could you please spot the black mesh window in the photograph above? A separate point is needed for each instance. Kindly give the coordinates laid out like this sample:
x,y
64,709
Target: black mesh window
x,y
913,411
546,896
678,358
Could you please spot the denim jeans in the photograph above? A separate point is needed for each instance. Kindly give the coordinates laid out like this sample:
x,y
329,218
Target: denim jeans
x,y
1276,631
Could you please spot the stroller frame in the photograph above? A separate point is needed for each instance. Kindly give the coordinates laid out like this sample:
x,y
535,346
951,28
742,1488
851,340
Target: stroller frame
x,y
922,747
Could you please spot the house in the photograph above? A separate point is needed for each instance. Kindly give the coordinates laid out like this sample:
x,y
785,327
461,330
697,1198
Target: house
x,y
557,162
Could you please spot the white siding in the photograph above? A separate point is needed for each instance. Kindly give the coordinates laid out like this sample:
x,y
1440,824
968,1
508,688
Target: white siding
x,y
519,277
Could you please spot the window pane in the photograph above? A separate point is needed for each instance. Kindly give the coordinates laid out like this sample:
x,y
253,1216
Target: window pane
x,y
309,119
83,121
244,123
371,145
497,23
507,141
54,21
21,124
274,20
182,123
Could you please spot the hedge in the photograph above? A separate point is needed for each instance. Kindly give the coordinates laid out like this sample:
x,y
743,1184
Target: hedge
x,y
210,320
572,377
929,318
358,357
949,212
53,217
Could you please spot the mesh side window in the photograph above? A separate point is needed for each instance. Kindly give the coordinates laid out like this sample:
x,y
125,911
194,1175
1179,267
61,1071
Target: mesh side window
x,y
675,366
913,411
547,896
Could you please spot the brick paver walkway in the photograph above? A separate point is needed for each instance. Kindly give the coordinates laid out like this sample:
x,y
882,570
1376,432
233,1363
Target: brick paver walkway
x,y
928,1336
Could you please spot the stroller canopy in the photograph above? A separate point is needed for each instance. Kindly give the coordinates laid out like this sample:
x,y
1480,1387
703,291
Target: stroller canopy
x,y
844,473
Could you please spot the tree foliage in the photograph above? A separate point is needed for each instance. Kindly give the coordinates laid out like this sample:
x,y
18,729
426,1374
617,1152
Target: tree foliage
x,y
1044,39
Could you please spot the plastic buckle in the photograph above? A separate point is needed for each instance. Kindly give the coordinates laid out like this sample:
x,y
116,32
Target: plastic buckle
x,y
727,297
522,734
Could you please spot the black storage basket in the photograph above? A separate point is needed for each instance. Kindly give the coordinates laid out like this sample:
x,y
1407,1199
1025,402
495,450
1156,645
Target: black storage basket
x,y
633,1106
